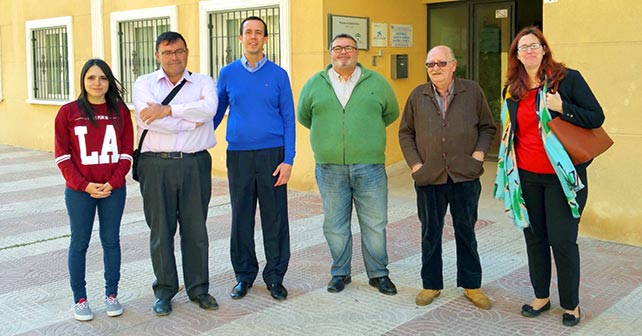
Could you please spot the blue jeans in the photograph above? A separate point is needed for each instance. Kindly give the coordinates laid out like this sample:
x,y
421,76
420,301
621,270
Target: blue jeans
x,y
81,209
367,186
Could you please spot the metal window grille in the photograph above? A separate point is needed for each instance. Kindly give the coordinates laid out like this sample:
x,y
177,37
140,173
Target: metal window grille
x,y
137,43
50,63
224,31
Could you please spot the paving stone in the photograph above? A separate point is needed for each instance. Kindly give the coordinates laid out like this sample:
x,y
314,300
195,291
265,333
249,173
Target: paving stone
x,y
35,294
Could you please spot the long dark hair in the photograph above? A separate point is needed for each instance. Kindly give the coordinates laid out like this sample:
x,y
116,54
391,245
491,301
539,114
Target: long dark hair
x,y
517,77
113,97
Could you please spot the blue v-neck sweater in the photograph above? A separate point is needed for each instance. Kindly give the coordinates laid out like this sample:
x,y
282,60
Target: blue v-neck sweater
x,y
261,108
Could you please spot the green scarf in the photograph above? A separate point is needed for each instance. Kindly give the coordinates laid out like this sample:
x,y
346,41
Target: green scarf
x,y
507,183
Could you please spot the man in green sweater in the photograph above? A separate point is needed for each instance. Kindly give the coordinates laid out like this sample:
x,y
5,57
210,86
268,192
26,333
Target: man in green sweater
x,y
347,108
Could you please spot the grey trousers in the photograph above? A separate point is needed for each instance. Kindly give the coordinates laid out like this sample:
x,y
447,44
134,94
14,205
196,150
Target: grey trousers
x,y
177,191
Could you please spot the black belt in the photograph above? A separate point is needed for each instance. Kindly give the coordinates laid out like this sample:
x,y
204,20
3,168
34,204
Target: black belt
x,y
171,155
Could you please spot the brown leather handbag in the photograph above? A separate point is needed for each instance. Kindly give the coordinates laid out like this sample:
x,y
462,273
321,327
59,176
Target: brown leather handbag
x,y
581,144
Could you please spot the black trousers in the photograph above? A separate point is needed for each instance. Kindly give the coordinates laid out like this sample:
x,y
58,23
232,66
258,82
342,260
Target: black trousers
x,y
177,191
250,179
432,203
552,226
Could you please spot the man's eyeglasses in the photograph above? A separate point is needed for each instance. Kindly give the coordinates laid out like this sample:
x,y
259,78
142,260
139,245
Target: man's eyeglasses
x,y
177,52
339,49
533,46
441,64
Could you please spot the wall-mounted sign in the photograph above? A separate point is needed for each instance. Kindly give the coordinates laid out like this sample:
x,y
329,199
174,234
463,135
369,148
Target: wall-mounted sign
x,y
400,36
379,34
357,27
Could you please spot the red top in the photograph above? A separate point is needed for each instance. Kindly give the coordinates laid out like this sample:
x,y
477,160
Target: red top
x,y
87,153
529,147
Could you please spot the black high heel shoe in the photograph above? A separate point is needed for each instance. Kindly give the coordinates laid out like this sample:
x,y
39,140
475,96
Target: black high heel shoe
x,y
529,311
570,320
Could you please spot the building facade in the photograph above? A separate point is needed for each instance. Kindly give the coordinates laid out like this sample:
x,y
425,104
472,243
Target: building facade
x,y
43,46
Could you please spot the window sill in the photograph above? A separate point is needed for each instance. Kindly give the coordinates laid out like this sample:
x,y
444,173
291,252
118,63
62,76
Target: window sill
x,y
47,102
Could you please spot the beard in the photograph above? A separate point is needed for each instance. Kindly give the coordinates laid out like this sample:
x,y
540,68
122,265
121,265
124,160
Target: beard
x,y
345,64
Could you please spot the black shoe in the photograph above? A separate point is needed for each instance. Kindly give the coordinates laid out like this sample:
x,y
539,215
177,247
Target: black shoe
x,y
206,301
240,290
529,311
338,283
384,285
278,291
570,320
162,307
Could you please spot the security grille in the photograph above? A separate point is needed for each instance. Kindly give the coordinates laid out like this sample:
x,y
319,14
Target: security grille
x,y
137,42
50,63
224,30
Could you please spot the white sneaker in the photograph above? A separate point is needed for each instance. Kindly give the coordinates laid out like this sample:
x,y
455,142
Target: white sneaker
x,y
114,308
82,312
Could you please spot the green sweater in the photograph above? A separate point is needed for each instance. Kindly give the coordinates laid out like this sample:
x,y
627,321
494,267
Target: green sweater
x,y
356,134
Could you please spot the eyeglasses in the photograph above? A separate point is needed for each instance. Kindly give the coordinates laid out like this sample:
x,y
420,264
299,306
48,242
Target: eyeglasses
x,y
532,46
441,64
339,49
177,52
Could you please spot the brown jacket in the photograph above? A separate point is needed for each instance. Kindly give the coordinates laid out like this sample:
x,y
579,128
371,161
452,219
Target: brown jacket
x,y
445,146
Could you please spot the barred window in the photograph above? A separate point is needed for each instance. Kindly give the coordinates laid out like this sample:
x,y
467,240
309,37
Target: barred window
x,y
50,68
224,27
137,43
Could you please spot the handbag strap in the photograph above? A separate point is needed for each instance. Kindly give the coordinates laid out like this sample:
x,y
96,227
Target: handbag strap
x,y
166,101
549,81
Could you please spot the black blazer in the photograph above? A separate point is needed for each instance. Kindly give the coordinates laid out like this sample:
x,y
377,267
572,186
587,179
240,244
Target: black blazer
x,y
580,105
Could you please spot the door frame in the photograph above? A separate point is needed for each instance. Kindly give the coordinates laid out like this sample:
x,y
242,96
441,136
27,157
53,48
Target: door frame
x,y
471,4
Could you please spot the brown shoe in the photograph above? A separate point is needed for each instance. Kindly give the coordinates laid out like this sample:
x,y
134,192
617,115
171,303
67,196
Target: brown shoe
x,y
426,296
479,299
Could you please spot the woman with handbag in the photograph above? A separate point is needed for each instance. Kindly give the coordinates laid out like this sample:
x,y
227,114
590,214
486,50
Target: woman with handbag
x,y
93,148
543,191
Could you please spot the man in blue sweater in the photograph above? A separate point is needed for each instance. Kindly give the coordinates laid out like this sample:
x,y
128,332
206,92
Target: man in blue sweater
x,y
260,154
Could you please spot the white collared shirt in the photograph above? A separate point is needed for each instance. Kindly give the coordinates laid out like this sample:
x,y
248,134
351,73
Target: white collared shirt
x,y
343,88
195,102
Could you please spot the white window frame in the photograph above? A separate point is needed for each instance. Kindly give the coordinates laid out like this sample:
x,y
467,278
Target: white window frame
x,y
138,14
206,7
50,23
97,36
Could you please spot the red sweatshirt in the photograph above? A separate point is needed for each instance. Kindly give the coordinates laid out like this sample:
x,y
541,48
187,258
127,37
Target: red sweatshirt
x,y
86,153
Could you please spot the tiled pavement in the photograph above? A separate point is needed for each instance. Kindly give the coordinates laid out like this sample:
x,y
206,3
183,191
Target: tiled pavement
x,y
35,298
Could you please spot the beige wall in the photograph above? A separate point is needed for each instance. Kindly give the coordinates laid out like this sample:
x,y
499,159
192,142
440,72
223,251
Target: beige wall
x,y
310,55
603,41
30,125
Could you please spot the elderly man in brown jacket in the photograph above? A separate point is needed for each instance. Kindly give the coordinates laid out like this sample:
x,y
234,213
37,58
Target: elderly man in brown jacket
x,y
445,132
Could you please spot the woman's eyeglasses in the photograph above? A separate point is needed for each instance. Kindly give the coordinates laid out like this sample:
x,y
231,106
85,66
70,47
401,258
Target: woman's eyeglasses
x,y
533,46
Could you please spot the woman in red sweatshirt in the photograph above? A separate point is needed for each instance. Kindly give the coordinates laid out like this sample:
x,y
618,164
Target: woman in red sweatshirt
x,y
94,147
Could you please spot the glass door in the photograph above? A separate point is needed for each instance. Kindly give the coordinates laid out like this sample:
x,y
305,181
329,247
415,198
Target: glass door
x,y
479,32
448,25
492,32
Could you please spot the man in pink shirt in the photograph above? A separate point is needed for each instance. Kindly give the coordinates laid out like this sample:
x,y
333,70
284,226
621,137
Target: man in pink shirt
x,y
175,170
